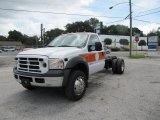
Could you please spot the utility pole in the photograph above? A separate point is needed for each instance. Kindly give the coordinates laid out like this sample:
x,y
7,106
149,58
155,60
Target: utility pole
x,y
44,36
130,14
41,34
130,11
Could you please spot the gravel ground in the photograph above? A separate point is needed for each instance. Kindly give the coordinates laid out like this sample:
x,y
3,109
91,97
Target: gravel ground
x,y
135,95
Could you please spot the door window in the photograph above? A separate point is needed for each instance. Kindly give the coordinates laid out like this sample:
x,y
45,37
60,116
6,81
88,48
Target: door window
x,y
91,44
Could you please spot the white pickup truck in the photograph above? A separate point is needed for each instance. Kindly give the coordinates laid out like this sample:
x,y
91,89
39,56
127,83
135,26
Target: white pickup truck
x,y
66,62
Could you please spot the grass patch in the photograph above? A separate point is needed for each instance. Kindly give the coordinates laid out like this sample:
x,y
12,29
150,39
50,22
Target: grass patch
x,y
137,56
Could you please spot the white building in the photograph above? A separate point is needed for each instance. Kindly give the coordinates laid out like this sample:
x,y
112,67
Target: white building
x,y
115,41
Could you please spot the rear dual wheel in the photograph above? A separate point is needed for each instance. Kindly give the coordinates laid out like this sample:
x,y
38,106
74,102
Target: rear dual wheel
x,y
118,66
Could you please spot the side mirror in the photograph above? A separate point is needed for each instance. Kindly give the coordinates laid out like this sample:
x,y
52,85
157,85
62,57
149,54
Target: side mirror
x,y
98,46
89,48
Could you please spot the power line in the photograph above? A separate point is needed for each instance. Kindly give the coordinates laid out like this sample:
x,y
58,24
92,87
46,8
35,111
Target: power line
x,y
137,5
146,21
57,13
148,10
146,14
115,21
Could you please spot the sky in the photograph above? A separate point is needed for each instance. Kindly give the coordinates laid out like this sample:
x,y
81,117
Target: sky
x,y
29,22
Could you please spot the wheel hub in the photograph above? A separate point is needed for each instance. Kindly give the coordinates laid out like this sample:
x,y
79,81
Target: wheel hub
x,y
122,66
79,85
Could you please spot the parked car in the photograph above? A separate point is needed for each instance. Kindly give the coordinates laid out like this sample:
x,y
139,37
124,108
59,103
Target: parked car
x,y
25,49
0,51
11,49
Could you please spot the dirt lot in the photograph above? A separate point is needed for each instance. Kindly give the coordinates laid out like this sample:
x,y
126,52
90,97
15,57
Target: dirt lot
x,y
135,95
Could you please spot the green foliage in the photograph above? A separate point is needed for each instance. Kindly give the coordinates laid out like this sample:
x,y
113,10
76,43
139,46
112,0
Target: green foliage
x,y
137,56
30,41
50,35
79,27
3,38
107,41
136,30
152,33
93,22
124,42
122,30
15,35
119,30
142,43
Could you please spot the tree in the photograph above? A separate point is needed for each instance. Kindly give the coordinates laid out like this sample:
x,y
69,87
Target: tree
x,y
137,31
93,22
30,40
142,43
50,35
122,29
107,41
119,30
79,26
15,35
112,30
124,42
3,38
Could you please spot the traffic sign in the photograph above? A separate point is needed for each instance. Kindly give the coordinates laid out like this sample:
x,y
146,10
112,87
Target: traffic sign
x,y
137,39
152,42
99,25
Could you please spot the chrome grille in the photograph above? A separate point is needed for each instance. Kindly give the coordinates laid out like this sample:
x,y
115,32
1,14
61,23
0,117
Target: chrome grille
x,y
31,64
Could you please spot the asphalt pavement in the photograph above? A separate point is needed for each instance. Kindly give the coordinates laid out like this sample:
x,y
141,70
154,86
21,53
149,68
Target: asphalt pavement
x,y
135,95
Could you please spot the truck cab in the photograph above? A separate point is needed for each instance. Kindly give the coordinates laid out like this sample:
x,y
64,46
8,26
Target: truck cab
x,y
67,61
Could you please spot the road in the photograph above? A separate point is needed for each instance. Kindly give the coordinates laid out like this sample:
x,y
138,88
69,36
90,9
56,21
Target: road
x,y
135,95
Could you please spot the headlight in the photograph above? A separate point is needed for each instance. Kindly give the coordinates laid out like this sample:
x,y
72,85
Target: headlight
x,y
56,63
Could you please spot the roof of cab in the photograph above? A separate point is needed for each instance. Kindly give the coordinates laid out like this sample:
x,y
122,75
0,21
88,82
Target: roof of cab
x,y
89,33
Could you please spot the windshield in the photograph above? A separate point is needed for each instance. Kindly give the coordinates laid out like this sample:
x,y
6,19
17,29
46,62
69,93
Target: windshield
x,y
69,40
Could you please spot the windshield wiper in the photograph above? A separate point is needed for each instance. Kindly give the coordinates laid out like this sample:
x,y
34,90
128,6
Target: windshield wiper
x,y
66,46
50,46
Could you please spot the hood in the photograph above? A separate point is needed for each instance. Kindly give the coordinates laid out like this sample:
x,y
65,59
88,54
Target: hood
x,y
52,52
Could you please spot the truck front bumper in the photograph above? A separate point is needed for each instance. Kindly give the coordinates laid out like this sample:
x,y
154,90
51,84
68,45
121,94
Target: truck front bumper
x,y
53,78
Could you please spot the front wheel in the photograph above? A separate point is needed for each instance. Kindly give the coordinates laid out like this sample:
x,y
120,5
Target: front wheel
x,y
76,87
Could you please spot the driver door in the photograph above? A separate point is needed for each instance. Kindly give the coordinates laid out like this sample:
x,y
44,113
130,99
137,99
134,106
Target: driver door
x,y
96,58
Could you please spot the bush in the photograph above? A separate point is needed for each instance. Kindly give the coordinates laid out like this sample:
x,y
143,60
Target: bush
x,y
107,41
137,56
142,43
124,42
115,49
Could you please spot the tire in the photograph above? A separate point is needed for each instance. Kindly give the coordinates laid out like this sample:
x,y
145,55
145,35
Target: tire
x,y
120,66
76,86
114,66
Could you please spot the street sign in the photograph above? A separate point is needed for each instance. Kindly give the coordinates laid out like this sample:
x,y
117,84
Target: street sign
x,y
137,39
99,25
152,42
136,34
152,46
